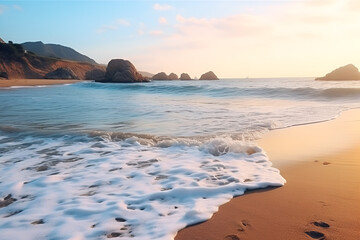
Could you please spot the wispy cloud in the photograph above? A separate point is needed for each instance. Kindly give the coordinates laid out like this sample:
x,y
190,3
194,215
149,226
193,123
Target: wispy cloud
x,y
18,7
354,5
114,26
122,22
163,21
309,35
162,7
156,33
2,9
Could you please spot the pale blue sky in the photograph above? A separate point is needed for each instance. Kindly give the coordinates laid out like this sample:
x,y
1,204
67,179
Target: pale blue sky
x,y
233,38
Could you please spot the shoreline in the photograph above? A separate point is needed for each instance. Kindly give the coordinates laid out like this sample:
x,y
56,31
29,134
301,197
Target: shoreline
x,y
8,83
321,165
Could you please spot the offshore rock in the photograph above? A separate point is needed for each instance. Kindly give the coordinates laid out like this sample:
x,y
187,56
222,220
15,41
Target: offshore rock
x,y
209,76
160,76
185,76
173,76
122,71
348,72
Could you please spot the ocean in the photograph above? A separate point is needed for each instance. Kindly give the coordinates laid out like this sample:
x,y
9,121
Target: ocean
x,y
144,160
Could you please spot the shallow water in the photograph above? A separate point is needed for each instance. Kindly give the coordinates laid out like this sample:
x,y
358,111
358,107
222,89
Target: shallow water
x,y
144,160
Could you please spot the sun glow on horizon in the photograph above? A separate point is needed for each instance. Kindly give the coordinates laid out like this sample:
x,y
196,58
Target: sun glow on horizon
x,y
231,38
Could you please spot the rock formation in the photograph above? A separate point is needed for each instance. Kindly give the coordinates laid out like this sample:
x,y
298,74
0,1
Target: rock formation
x,y
173,76
122,71
209,76
185,76
61,73
96,75
3,75
20,64
160,76
56,51
2,41
348,72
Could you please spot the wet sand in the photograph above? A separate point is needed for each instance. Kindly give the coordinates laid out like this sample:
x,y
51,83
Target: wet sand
x,y
321,199
34,82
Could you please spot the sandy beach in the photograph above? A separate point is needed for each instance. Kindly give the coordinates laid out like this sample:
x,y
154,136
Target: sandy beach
x,y
34,82
321,163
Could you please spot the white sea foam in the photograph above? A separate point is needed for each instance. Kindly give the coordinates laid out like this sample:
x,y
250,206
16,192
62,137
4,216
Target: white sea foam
x,y
87,189
139,175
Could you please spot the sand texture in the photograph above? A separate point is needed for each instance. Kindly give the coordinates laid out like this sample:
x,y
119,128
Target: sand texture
x,y
34,82
321,199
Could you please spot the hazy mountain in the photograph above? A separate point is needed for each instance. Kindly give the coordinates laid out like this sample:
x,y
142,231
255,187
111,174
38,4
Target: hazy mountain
x,y
16,63
56,51
146,74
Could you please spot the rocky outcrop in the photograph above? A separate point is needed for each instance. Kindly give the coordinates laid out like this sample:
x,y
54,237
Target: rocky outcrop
x,y
348,72
160,76
20,64
96,75
173,76
209,76
56,51
122,71
2,41
185,76
61,73
4,75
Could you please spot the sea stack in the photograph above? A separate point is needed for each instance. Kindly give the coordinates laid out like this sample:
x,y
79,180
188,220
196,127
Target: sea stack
x,y
121,71
61,73
185,76
160,76
209,76
173,76
348,72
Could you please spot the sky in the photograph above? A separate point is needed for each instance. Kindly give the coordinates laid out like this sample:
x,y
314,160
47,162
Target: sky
x,y
233,38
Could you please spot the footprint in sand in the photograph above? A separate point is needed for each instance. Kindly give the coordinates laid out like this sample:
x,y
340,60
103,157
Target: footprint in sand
x,y
316,235
243,225
321,224
231,237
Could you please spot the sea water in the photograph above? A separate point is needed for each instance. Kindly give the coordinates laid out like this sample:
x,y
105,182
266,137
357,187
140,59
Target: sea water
x,y
142,161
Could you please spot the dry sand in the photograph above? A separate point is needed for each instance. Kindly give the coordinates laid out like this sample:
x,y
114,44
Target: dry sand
x,y
33,82
321,163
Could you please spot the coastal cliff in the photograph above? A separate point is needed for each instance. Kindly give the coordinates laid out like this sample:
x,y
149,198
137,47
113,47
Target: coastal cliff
x,y
18,63
56,51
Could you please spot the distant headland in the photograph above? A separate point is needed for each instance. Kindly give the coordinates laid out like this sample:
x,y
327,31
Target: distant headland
x,y
17,62
348,72
36,60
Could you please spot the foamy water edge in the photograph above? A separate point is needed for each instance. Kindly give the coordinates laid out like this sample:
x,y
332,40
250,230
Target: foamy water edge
x,y
91,189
